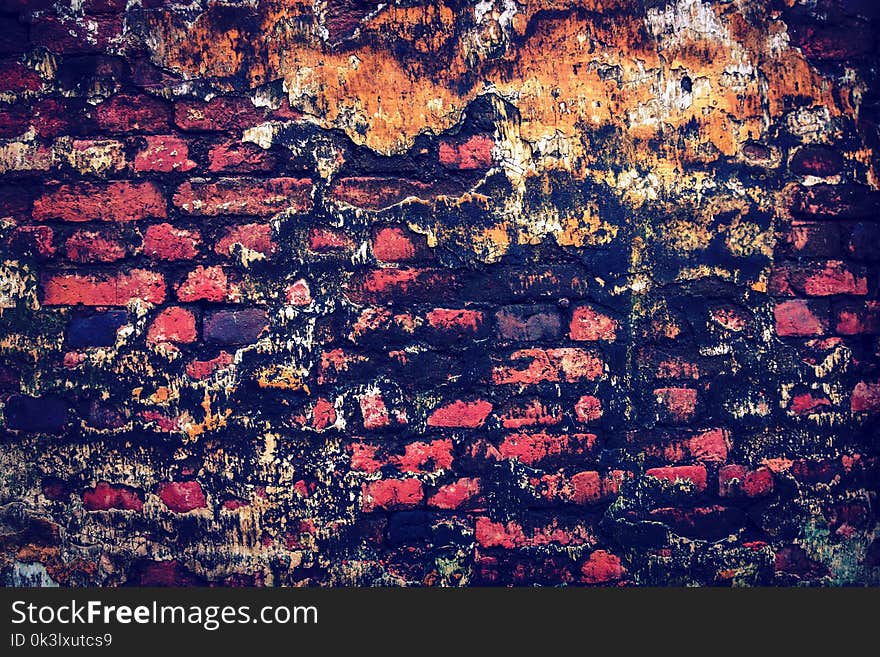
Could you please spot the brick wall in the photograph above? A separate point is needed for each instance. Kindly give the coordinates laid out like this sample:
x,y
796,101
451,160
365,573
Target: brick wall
x,y
439,295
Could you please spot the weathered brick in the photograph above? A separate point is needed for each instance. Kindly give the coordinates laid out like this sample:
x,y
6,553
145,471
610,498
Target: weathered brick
x,y
865,397
255,237
800,318
71,36
328,240
527,323
474,152
457,494
220,113
857,318
465,414
174,324
165,242
588,409
182,496
816,161
676,404
530,413
818,279
105,496
391,494
234,156
125,114
530,366
377,193
690,474
116,201
207,283
395,244
589,324
103,289
93,246
382,285
163,154
232,196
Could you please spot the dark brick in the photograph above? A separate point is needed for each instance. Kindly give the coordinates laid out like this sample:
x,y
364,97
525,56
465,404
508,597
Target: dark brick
x,y
98,330
235,326
528,323
36,414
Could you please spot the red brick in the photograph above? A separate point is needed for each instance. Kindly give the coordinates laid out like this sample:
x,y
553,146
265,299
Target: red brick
x,y
103,289
244,196
469,415
602,568
427,458
15,120
841,40
182,496
52,117
327,240
394,244
234,156
220,113
736,480
382,285
202,369
865,397
696,474
208,283
376,414
32,241
816,161
15,78
531,413
496,534
800,318
589,324
586,487
124,114
833,202
677,404
363,458
298,293
104,497
164,154
588,409
165,242
457,494
528,323
93,246
391,494
858,318
532,448
116,201
256,237
377,193
457,320
806,403
75,36
174,324
811,239
818,279
710,446
473,153
553,365
323,414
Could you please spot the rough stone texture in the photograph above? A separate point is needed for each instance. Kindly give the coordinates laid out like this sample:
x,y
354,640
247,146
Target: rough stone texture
x,y
440,293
